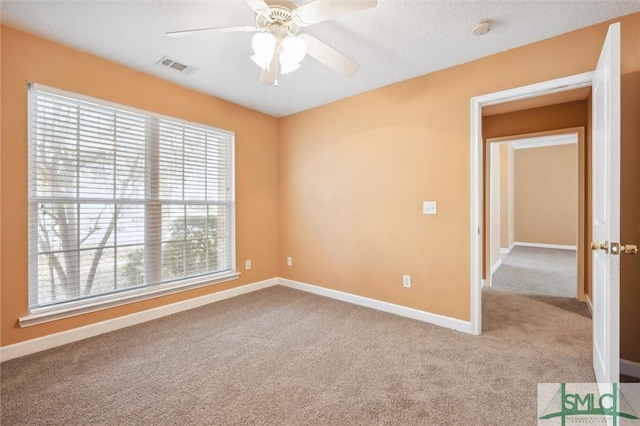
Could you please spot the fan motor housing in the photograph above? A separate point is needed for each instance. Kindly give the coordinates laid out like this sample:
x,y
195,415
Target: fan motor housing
x,y
277,15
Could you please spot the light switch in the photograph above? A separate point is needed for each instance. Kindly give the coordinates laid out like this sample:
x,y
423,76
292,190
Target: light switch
x,y
429,207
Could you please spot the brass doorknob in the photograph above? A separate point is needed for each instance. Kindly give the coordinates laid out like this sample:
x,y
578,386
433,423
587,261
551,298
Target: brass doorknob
x,y
616,248
598,246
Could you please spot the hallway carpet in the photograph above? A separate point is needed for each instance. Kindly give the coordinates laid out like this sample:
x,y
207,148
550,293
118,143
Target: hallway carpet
x,y
532,270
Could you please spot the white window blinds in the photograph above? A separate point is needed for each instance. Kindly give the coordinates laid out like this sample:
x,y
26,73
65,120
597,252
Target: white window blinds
x,y
123,200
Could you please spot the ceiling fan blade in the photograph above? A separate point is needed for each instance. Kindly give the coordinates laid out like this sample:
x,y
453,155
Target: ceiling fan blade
x,y
270,77
246,29
322,10
329,56
257,4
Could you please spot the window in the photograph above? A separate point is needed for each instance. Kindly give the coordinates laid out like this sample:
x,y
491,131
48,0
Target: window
x,y
123,203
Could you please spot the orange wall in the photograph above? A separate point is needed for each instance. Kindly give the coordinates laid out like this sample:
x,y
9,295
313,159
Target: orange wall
x,y
630,217
29,58
546,195
552,117
353,175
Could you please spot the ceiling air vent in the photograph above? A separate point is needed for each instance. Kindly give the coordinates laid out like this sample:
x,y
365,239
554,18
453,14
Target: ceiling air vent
x,y
175,65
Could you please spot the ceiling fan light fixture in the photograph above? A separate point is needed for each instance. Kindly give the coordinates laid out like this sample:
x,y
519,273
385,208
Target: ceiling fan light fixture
x,y
263,45
260,61
294,50
287,67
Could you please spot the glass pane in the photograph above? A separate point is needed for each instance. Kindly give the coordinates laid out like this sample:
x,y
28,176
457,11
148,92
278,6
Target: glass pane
x,y
173,223
130,229
213,223
130,266
97,271
57,227
197,242
190,240
56,168
130,176
131,225
172,260
58,276
97,150
58,259
195,167
56,150
96,171
51,284
171,161
224,260
130,158
216,170
97,225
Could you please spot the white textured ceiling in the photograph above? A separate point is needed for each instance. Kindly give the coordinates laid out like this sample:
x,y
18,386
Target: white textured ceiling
x,y
397,40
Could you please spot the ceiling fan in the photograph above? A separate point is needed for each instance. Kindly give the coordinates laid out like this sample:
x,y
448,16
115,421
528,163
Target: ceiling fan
x,y
278,47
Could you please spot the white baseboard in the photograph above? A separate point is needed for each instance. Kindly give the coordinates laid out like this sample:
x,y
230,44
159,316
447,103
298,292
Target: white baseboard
x,y
440,320
549,246
630,368
58,339
507,250
496,266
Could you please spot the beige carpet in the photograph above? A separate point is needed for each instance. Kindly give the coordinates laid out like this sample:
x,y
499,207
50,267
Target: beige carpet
x,y
284,357
532,270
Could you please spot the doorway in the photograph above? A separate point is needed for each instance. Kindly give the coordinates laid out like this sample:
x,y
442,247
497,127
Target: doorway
x,y
521,94
535,210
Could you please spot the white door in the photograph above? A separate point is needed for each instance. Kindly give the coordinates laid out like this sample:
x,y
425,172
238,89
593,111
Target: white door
x,y
606,210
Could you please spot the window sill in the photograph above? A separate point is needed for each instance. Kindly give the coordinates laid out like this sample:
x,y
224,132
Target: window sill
x,y
72,309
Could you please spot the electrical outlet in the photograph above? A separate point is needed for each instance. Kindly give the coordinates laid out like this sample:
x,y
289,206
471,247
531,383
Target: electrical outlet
x,y
247,265
289,261
406,281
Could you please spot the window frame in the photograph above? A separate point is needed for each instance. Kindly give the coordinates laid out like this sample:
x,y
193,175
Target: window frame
x,y
43,314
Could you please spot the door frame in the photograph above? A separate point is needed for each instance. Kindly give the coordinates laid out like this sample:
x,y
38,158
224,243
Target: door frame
x,y
476,173
491,150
